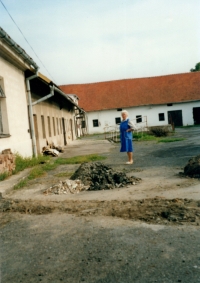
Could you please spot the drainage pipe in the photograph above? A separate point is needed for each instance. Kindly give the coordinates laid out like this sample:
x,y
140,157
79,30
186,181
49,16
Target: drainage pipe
x,y
34,148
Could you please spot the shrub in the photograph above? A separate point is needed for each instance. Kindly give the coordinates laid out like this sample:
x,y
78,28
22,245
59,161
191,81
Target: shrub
x,y
159,131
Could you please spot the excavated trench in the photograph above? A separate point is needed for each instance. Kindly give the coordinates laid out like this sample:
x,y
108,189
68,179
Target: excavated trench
x,y
156,210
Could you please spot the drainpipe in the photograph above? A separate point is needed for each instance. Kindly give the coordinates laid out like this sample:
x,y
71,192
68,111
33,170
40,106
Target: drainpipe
x,y
31,113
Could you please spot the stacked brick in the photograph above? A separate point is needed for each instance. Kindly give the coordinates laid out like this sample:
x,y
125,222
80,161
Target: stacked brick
x,y
7,161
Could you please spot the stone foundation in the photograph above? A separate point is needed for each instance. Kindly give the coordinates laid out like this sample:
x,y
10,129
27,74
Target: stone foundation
x,y
7,161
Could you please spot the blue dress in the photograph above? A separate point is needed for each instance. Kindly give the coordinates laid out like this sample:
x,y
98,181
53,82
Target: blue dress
x,y
126,137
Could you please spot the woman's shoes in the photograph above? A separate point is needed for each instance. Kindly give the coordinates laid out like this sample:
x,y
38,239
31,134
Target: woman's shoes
x,y
129,162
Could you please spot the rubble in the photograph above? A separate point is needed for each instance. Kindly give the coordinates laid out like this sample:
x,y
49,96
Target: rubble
x,y
52,149
192,169
98,176
66,187
7,161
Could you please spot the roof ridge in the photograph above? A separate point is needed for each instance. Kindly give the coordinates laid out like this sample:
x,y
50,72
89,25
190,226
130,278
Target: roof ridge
x,y
118,80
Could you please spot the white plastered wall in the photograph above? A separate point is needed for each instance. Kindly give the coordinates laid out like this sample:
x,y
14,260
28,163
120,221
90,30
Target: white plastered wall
x,y
107,117
17,112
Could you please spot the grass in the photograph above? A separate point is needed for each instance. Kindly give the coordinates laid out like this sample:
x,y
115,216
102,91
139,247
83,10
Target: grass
x,y
171,139
42,164
80,159
144,137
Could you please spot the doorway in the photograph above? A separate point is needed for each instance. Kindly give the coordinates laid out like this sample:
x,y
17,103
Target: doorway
x,y
64,130
175,117
196,115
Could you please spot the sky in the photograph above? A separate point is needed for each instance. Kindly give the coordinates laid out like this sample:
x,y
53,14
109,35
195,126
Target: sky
x,y
86,41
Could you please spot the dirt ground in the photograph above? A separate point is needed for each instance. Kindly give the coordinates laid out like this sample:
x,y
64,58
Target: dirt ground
x,y
147,232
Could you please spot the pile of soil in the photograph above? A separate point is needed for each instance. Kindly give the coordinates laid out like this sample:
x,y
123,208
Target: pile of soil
x,y
98,176
192,169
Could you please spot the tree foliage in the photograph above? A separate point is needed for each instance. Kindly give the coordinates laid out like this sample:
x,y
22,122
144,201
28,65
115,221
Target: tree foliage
x,y
197,68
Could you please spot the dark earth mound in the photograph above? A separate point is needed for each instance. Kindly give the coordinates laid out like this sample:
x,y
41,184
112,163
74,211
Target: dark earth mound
x,y
101,177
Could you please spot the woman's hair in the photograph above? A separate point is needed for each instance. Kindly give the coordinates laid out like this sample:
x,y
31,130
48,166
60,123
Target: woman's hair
x,y
124,111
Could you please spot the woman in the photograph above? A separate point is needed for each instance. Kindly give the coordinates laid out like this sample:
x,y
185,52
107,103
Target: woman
x,y
126,128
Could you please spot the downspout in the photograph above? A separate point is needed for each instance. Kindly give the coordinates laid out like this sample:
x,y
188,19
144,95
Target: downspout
x,y
31,113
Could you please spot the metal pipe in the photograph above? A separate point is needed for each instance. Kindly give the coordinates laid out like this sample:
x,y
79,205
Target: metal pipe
x,y
31,113
45,97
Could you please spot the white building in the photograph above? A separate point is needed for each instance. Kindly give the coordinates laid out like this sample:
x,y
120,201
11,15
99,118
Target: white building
x,y
155,101
33,110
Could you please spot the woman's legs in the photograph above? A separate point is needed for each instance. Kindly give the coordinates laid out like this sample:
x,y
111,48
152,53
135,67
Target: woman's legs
x,y
130,157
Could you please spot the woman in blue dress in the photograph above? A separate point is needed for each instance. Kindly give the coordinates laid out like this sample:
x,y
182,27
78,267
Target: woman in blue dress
x,y
126,136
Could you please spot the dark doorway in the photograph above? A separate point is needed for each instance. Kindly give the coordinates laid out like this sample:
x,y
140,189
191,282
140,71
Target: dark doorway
x,y
64,130
175,117
196,115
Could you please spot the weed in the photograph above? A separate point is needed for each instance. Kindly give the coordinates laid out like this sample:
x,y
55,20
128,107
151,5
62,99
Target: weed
x,y
4,175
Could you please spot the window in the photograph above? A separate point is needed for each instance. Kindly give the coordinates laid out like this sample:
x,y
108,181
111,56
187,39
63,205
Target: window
x,y
83,124
4,130
138,118
49,125
119,109
117,120
61,125
95,123
57,125
54,126
161,116
43,127
169,104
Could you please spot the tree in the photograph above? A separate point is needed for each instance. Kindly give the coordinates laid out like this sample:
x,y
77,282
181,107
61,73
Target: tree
x,y
197,68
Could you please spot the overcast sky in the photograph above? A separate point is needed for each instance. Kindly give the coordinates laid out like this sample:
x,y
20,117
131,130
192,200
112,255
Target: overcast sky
x,y
83,41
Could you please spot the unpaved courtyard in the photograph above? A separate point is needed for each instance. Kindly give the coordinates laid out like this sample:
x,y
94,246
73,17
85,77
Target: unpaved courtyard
x,y
146,232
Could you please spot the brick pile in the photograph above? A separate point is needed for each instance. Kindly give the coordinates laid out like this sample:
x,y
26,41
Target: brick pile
x,y
7,161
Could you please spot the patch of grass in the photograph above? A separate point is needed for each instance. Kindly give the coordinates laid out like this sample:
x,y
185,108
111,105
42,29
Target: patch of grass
x,y
80,159
3,176
171,140
36,172
21,184
27,162
144,137
64,174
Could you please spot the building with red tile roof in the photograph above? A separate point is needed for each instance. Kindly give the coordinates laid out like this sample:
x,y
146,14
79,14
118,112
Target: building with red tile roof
x,y
177,92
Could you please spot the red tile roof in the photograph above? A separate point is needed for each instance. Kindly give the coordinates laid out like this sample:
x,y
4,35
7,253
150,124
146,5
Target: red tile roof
x,y
136,92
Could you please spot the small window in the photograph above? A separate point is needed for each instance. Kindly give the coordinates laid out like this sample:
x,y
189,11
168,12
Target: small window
x,y
161,116
117,120
54,126
43,127
49,125
83,124
119,109
138,118
96,123
169,104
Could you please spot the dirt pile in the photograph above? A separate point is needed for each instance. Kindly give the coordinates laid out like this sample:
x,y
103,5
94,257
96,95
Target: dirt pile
x,y
192,169
98,176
